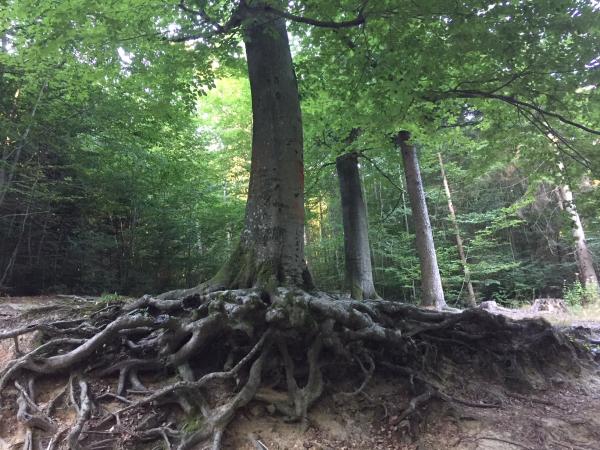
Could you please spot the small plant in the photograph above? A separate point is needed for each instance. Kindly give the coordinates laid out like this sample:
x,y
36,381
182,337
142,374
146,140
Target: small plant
x,y
193,422
577,294
503,298
111,298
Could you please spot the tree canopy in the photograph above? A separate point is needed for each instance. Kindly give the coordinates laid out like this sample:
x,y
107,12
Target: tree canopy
x,y
128,125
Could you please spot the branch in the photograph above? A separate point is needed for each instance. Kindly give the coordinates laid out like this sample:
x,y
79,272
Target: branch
x,y
385,175
201,13
471,123
465,93
545,129
358,20
244,10
234,21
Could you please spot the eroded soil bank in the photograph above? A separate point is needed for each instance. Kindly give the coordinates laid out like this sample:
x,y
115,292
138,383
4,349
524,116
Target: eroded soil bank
x,y
559,413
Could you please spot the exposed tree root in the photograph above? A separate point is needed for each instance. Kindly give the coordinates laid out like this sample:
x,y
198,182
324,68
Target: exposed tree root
x,y
221,350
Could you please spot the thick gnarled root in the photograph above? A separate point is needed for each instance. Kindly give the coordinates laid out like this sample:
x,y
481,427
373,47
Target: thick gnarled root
x,y
221,350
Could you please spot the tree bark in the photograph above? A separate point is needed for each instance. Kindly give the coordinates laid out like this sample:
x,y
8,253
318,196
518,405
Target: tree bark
x,y
359,274
271,248
459,243
431,282
585,260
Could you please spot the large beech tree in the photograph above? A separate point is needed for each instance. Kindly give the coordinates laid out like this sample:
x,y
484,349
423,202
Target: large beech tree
x,y
271,248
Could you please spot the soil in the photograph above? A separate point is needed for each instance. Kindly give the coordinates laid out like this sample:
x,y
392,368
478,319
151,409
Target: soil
x,y
556,414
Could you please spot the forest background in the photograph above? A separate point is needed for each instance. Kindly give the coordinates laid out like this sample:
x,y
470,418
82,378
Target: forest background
x,y
125,157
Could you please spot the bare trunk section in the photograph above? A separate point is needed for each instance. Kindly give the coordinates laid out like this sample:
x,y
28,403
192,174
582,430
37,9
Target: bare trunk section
x,y
459,243
271,249
431,282
6,177
359,274
585,260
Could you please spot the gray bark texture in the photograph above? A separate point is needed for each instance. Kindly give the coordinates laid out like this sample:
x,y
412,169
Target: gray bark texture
x,y
431,283
470,301
359,274
585,260
271,249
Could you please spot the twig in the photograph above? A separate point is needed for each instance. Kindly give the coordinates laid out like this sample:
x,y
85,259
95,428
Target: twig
x,y
115,396
516,444
368,375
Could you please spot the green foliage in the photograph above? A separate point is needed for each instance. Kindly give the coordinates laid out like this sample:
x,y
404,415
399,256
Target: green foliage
x,y
118,185
111,298
133,171
193,422
576,294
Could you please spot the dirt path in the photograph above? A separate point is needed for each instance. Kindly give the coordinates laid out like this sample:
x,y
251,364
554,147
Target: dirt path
x,y
555,414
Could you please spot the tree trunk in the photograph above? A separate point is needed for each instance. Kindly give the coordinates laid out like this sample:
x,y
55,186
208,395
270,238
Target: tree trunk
x,y
407,228
359,275
6,177
585,260
431,282
459,243
271,248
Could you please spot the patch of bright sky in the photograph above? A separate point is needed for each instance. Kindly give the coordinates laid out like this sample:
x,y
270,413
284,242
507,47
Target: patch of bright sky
x,y
585,89
483,12
173,29
295,44
594,63
126,59
8,41
84,59
125,56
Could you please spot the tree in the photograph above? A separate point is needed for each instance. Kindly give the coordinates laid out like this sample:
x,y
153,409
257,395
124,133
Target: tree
x,y
431,282
583,255
585,260
271,249
357,252
459,242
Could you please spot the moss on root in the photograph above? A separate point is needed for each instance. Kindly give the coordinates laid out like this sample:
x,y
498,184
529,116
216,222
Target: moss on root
x,y
244,270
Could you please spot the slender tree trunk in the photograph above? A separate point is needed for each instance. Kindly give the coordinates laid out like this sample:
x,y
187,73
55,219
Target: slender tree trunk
x,y
359,274
407,228
459,242
6,177
271,249
585,260
8,270
431,282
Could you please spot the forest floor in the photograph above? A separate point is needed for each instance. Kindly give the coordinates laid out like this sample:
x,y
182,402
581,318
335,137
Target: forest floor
x,y
556,414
